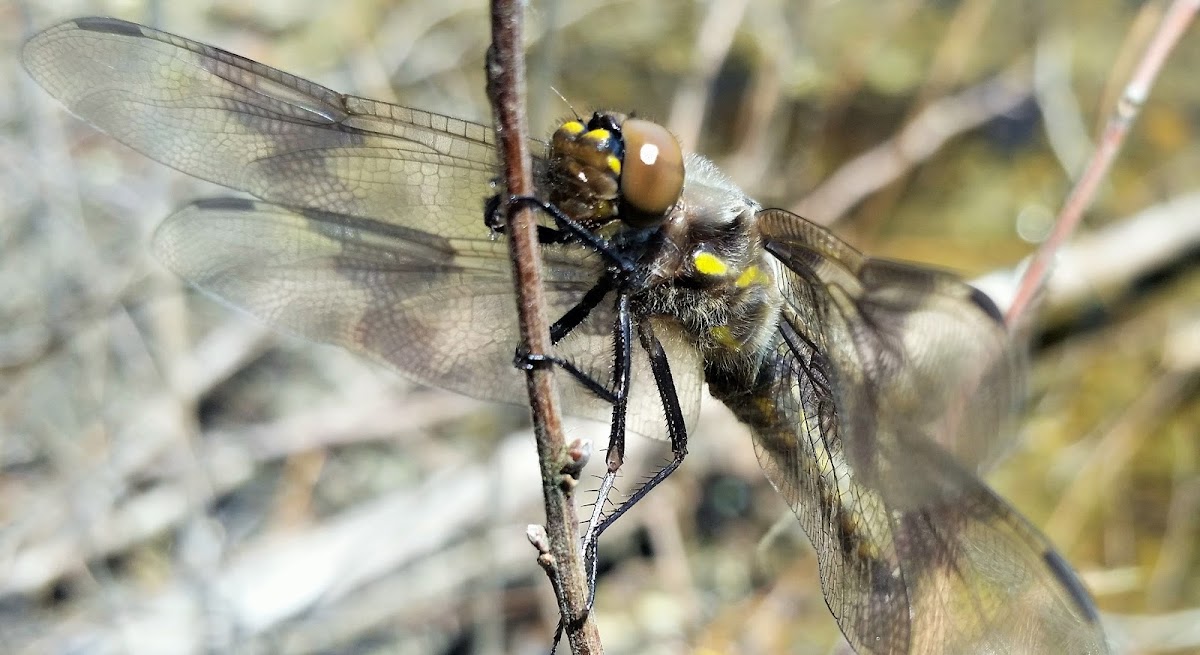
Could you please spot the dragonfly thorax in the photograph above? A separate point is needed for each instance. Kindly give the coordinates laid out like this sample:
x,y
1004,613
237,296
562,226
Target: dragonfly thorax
x,y
710,272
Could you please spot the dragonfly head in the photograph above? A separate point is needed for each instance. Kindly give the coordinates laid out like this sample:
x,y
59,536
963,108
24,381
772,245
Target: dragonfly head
x,y
616,168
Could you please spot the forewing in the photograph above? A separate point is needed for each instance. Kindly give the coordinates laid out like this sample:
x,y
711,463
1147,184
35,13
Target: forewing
x,y
239,123
865,438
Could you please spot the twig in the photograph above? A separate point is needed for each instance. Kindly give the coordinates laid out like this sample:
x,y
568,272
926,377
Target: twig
x,y
929,130
946,71
1175,22
506,89
713,41
1105,262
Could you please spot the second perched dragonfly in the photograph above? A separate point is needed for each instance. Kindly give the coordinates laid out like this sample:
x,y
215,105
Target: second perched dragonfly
x,y
874,389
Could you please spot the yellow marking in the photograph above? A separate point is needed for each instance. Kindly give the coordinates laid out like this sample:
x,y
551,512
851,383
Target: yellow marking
x,y
749,275
724,336
598,134
614,164
574,127
709,264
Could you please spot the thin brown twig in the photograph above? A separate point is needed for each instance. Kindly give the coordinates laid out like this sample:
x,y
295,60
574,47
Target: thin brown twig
x,y
713,42
1174,23
919,139
946,70
506,89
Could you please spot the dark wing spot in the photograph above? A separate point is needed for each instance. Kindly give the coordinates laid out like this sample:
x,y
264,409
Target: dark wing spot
x,y
226,204
982,301
109,26
1062,571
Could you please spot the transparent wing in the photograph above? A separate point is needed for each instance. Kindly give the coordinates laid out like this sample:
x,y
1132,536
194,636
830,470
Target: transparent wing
x,y
923,350
440,310
375,239
887,385
239,123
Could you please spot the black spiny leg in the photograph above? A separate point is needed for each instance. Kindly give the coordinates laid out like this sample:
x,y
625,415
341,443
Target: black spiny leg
x,y
617,274
676,427
620,271
676,431
576,315
561,328
493,219
622,365
622,362
569,230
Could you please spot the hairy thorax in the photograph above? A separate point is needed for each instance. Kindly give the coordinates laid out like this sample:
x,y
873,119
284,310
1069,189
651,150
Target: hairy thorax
x,y
708,271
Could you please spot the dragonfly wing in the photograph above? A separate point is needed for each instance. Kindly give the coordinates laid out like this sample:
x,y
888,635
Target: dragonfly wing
x,y
440,310
931,350
247,126
877,428
382,247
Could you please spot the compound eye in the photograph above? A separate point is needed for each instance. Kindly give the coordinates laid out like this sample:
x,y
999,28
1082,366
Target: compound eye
x,y
652,173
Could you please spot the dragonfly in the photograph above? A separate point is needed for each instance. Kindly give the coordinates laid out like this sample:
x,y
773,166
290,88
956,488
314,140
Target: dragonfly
x,y
875,391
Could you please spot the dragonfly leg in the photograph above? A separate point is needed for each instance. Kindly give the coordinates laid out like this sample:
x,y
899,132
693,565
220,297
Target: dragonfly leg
x,y
616,278
622,364
676,430
576,315
561,328
527,361
493,218
569,230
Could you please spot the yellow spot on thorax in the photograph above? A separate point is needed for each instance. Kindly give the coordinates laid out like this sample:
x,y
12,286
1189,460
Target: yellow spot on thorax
x,y
709,264
747,276
752,275
573,127
614,164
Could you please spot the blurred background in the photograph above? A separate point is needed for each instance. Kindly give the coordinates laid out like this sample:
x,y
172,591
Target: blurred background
x,y
175,479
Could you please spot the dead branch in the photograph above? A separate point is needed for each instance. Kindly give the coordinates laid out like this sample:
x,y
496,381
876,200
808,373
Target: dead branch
x,y
506,89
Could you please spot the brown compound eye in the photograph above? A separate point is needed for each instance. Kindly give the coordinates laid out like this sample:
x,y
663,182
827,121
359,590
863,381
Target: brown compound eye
x,y
652,173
